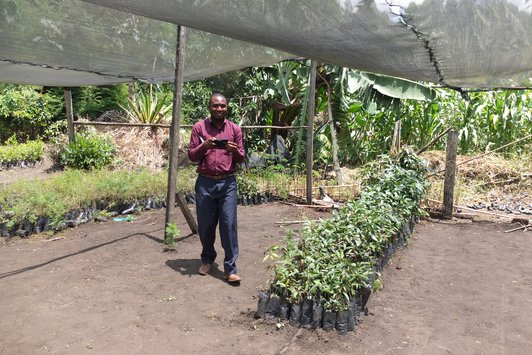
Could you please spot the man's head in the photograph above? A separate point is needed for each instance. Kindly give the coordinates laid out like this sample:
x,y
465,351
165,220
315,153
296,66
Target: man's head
x,y
218,107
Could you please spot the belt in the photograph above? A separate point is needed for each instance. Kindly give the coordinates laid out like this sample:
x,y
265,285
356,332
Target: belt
x,y
217,177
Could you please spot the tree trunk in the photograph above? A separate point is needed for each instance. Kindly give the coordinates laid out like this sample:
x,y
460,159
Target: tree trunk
x,y
336,163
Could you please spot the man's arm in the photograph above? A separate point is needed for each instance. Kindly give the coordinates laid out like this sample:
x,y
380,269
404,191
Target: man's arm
x,y
196,148
238,154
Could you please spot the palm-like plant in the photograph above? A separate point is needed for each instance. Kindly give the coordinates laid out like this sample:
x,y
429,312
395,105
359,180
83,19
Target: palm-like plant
x,y
147,107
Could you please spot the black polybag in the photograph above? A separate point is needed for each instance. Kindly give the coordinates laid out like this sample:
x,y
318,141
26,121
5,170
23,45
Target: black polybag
x,y
284,308
306,312
341,322
351,315
295,314
317,314
329,320
272,309
263,302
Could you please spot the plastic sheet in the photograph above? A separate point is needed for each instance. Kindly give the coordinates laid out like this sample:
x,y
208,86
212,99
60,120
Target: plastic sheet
x,y
97,42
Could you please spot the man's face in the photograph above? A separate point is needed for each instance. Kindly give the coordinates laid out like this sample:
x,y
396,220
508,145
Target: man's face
x,y
218,108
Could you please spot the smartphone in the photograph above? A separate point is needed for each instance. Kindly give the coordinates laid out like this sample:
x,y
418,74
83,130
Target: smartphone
x,y
221,143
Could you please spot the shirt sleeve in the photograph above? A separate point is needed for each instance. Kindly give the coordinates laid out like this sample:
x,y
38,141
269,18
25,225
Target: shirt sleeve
x,y
240,155
196,151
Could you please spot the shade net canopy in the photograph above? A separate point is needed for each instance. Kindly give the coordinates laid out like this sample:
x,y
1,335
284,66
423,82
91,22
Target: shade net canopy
x,y
458,43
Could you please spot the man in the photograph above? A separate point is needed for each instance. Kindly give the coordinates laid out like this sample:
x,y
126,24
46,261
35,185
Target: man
x,y
216,144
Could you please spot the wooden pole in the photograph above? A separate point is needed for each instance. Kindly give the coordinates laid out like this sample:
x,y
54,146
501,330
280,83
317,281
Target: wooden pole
x,y
310,129
69,115
174,138
432,141
450,174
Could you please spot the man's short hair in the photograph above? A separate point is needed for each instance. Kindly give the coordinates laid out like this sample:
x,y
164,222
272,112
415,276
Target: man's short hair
x,y
215,95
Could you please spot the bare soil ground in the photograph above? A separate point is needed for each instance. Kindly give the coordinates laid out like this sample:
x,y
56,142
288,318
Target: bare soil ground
x,y
42,170
109,288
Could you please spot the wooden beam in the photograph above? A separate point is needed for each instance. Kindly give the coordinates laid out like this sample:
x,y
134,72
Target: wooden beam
x,y
450,174
310,129
160,125
69,115
174,136
124,124
432,141
182,203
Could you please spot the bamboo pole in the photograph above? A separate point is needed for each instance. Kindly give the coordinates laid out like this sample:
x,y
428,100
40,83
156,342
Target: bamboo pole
x,y
174,140
69,115
310,129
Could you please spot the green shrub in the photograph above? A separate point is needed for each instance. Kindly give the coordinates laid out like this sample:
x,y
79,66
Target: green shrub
x,y
29,112
93,101
30,151
88,151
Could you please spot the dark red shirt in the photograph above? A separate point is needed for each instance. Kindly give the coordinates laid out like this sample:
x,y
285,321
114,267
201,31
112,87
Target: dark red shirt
x,y
215,161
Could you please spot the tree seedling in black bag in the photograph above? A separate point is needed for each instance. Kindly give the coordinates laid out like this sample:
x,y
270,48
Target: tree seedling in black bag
x,y
295,314
317,314
306,312
284,309
329,320
273,307
341,322
263,302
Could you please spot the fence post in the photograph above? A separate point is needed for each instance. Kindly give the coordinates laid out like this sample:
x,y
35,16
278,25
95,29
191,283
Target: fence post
x,y
310,129
450,174
69,114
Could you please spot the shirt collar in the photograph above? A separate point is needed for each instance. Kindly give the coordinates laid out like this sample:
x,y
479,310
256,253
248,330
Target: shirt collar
x,y
212,123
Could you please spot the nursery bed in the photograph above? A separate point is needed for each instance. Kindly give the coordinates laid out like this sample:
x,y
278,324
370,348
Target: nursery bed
x,y
108,288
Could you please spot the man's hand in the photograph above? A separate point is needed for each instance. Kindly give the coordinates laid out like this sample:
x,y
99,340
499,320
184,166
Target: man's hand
x,y
232,147
209,143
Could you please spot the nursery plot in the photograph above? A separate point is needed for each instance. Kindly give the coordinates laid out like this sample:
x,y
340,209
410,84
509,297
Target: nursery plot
x,y
109,288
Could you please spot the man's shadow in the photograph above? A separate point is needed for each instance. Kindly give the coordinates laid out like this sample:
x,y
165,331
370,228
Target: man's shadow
x,y
189,267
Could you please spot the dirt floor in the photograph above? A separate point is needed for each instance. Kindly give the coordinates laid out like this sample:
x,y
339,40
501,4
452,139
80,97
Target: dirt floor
x,y
463,288
42,170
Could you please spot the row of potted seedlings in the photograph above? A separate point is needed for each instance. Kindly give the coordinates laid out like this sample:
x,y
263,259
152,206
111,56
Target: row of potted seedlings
x,y
74,218
6,165
323,277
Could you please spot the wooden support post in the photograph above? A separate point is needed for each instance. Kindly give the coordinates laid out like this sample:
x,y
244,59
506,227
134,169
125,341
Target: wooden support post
x,y
174,138
310,129
450,174
69,115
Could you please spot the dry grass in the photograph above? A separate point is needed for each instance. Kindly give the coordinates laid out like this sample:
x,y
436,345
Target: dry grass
x,y
139,146
492,178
